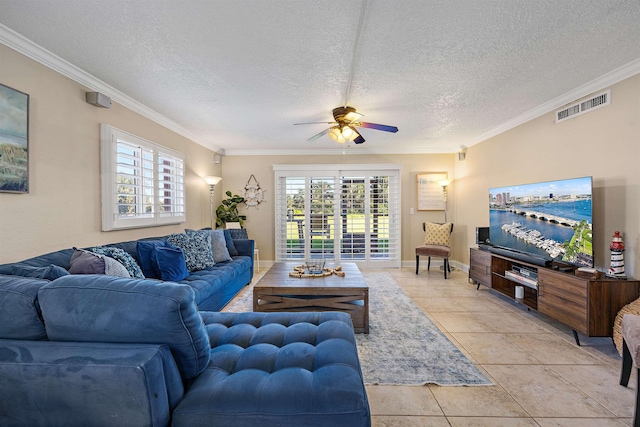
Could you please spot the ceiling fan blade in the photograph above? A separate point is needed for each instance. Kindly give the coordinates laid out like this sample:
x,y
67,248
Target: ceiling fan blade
x,y
359,139
316,123
318,135
377,126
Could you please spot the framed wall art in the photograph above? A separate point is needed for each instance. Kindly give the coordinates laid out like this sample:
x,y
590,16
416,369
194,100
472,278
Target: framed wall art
x,y
14,140
430,195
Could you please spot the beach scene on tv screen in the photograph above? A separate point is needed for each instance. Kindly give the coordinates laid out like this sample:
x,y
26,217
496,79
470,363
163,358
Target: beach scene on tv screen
x,y
550,219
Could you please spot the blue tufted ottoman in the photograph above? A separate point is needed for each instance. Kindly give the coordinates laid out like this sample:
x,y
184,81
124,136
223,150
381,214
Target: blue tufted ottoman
x,y
277,369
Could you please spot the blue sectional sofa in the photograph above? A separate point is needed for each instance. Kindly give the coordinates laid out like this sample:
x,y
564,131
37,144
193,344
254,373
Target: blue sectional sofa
x,y
100,350
214,286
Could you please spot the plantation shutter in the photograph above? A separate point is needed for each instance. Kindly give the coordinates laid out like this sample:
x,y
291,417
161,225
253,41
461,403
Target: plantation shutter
x,y
142,182
170,187
134,177
291,196
339,215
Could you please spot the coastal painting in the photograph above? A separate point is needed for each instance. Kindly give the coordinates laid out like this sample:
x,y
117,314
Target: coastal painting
x,y
552,219
14,140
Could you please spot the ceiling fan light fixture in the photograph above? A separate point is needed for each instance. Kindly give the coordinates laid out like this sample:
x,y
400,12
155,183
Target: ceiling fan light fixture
x,y
336,135
348,132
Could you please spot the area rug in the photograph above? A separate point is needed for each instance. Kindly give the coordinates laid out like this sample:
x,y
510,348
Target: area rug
x,y
403,346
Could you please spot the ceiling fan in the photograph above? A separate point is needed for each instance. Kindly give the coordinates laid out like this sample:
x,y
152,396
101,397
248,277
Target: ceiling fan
x,y
347,119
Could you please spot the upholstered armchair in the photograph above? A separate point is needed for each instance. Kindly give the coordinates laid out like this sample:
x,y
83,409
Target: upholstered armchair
x,y
436,244
631,355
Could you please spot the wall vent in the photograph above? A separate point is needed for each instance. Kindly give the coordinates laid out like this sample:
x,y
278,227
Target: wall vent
x,y
582,107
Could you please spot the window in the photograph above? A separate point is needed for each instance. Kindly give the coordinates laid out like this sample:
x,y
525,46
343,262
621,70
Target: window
x,y
142,182
351,214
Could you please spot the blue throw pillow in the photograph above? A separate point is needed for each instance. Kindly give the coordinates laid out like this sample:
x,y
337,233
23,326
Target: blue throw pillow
x,y
196,247
51,272
238,233
219,246
122,257
144,249
231,247
170,263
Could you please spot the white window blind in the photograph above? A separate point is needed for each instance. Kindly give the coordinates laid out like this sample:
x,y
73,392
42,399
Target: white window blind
x,y
338,215
142,182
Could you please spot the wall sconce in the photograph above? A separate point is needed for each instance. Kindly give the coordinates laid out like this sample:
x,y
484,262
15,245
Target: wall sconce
x,y
444,184
212,181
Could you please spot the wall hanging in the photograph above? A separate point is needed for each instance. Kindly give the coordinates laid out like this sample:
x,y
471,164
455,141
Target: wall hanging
x,y
252,193
430,191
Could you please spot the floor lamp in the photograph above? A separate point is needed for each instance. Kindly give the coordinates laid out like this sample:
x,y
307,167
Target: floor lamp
x,y
212,181
445,183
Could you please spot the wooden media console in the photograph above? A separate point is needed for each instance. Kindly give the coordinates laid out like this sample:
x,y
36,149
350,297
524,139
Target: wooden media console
x,y
587,306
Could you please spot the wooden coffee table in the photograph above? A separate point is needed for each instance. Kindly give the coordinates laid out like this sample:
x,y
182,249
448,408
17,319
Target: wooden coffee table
x,y
277,291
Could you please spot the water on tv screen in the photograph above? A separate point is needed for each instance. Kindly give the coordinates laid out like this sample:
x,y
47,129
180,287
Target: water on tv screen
x,y
551,219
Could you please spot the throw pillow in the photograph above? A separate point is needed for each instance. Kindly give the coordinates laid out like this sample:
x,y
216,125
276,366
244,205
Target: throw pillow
x,y
122,257
238,233
218,245
196,247
231,247
85,262
437,234
170,263
51,272
144,249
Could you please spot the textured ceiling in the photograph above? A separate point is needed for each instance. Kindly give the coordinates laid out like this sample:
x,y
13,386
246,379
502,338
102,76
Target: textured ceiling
x,y
238,74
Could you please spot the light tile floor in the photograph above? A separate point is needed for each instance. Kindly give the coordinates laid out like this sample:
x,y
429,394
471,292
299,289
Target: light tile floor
x,y
542,378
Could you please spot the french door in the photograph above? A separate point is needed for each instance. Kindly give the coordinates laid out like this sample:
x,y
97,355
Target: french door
x,y
350,214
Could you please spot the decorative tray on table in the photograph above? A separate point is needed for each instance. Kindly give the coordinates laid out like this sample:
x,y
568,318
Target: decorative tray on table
x,y
315,268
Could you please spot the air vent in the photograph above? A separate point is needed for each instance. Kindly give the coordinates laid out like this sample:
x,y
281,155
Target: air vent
x,y
578,108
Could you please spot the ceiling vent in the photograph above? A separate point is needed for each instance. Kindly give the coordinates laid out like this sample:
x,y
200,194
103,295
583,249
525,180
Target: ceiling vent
x,y
582,107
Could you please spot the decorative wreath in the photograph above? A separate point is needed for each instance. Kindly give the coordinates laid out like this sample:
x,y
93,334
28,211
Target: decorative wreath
x,y
252,193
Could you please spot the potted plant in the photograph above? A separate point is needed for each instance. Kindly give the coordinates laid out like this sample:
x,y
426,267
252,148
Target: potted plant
x,y
228,210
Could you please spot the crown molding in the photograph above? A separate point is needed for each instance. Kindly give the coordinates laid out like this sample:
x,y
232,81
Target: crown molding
x,y
611,78
50,60
346,151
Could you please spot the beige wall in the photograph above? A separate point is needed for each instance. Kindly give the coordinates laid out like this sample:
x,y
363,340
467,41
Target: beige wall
x,y
237,170
604,144
62,208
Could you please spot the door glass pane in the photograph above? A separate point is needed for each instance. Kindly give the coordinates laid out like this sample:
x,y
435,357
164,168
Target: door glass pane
x,y
379,218
321,218
353,212
295,190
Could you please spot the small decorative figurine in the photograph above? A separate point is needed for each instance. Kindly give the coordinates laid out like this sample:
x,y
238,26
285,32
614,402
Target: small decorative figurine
x,y
616,270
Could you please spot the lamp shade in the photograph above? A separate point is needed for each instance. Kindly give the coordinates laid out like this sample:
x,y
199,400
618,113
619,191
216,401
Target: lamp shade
x,y
336,135
212,180
347,132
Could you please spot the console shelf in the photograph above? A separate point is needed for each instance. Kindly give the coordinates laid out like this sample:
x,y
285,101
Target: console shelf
x,y
588,306
501,283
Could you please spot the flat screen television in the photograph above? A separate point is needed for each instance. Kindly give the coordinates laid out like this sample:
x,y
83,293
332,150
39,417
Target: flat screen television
x,y
550,220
